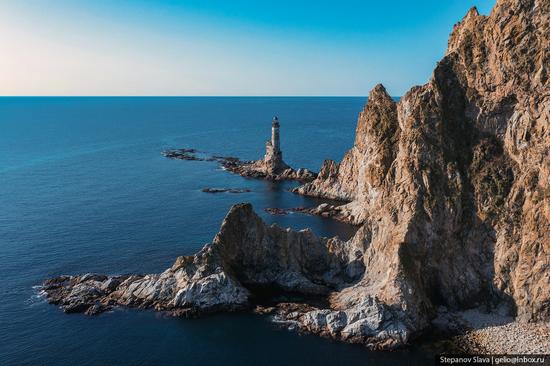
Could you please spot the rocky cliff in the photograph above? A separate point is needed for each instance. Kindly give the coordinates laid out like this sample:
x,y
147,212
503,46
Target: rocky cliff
x,y
452,183
247,260
245,256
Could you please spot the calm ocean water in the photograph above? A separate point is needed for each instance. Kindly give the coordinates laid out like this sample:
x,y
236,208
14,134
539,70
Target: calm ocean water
x,y
84,188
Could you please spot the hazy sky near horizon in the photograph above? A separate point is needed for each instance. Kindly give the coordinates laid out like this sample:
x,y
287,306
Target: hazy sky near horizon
x,y
238,47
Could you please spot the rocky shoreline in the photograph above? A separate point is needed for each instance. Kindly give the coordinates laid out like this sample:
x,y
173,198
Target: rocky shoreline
x,y
255,169
511,338
247,258
472,331
245,168
479,331
325,210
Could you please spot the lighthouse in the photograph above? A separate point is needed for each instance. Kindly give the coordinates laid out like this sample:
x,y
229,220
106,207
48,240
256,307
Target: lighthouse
x,y
275,142
273,160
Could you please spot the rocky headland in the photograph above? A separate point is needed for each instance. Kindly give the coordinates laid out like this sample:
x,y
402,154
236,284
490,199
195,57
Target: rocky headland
x,y
246,260
451,187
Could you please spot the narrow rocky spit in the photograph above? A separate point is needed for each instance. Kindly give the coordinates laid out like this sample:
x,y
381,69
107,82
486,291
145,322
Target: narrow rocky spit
x,y
326,210
450,187
258,169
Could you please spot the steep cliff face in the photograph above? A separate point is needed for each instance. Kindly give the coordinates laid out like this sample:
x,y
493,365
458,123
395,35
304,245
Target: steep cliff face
x,y
452,183
365,166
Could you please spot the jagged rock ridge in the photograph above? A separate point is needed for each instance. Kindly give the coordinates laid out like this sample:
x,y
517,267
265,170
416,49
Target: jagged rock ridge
x,y
452,183
246,257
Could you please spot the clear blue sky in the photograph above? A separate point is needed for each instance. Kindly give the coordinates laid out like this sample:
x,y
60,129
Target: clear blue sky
x,y
237,47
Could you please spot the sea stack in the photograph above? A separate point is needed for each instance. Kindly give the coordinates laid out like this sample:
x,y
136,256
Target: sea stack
x,y
272,166
273,160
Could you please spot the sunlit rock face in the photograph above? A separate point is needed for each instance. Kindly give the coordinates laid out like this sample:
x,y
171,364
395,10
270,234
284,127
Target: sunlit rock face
x,y
248,258
452,183
245,254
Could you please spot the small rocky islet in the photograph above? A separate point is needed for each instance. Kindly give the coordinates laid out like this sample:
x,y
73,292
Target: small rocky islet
x,y
450,187
223,190
271,167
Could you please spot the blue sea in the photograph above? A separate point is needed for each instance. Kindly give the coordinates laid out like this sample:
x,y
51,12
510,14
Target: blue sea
x,y
84,188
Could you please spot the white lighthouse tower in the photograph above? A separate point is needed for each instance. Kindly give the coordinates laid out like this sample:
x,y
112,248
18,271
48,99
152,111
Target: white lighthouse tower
x,y
275,135
273,160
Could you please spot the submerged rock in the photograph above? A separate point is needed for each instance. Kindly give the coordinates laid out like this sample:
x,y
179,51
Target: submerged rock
x,y
229,190
183,154
277,211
